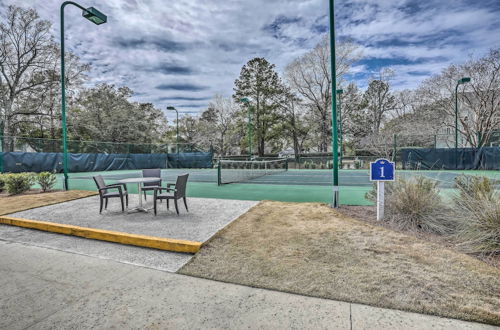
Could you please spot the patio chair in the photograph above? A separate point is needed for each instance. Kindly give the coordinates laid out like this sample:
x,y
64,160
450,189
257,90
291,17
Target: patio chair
x,y
173,191
104,194
149,186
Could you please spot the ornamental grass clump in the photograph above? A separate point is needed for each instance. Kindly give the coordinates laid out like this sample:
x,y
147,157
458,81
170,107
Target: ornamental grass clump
x,y
477,213
415,204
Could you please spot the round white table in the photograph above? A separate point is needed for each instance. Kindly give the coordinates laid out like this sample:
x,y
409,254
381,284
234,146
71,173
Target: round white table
x,y
139,182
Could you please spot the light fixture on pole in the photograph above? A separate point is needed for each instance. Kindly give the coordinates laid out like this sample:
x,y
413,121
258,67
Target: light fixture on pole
x,y
249,125
339,93
335,188
96,17
459,82
177,135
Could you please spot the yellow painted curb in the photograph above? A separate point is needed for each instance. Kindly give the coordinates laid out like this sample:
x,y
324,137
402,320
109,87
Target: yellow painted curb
x,y
153,242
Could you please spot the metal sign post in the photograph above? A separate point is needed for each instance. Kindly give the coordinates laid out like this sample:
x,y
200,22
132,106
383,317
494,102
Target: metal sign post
x,y
381,170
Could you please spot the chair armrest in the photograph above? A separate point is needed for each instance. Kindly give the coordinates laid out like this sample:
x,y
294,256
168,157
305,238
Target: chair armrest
x,y
114,185
171,185
160,188
111,186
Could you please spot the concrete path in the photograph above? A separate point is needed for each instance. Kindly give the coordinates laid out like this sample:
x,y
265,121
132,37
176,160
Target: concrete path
x,y
206,217
44,288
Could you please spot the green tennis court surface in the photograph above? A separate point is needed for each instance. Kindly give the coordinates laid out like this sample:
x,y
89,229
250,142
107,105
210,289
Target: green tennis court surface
x,y
289,186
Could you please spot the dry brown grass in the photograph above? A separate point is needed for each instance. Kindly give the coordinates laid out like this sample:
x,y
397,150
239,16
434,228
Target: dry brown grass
x,y
30,200
310,249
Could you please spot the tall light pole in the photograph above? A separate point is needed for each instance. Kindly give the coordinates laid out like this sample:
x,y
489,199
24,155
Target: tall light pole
x,y
96,17
339,93
335,151
177,138
459,82
249,125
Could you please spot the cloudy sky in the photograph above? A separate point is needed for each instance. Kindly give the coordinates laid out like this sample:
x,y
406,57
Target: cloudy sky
x,y
182,52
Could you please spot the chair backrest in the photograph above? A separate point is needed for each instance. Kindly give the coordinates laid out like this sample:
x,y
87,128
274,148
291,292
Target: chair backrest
x,y
180,185
99,181
151,173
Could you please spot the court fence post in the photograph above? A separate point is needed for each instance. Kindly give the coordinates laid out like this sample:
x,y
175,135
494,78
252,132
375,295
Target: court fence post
x,y
1,148
218,173
394,147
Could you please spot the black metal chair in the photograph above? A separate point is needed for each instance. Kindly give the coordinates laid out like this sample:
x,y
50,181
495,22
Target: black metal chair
x,y
149,186
173,191
104,194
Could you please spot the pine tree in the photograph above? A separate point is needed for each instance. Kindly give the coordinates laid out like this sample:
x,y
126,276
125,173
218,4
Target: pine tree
x,y
260,84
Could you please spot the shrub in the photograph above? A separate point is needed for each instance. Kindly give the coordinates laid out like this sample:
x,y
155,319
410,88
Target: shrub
x,y
415,204
46,180
2,182
16,183
313,165
306,164
477,213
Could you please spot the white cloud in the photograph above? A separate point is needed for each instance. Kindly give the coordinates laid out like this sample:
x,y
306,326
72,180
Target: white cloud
x,y
147,43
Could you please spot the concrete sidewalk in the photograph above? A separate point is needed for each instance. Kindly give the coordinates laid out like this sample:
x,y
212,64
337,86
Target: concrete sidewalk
x,y
206,217
44,288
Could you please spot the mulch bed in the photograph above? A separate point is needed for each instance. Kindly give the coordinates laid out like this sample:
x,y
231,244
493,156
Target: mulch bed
x,y
36,198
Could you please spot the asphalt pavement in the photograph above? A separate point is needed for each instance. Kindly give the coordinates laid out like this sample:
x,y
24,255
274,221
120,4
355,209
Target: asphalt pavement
x,y
43,288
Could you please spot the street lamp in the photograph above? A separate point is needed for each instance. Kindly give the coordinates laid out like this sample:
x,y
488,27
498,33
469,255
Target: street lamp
x,y
96,17
459,82
249,125
339,93
177,138
335,151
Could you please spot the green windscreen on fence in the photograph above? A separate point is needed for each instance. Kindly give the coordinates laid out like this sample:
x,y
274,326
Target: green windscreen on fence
x,y
22,154
487,158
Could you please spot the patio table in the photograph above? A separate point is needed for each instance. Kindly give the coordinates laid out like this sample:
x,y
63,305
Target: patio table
x,y
139,182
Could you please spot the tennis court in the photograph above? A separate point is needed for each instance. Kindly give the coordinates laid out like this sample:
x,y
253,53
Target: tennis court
x,y
290,185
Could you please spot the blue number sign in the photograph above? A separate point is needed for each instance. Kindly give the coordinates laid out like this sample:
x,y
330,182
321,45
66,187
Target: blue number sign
x,y
382,170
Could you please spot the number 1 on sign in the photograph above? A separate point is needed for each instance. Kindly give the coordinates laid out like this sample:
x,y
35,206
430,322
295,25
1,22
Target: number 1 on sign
x,y
382,172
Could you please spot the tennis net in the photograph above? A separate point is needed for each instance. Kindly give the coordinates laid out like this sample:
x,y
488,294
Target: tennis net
x,y
232,171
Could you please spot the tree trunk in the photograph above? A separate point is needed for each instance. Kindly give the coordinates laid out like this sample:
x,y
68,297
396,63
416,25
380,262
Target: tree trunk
x,y
7,141
295,138
324,134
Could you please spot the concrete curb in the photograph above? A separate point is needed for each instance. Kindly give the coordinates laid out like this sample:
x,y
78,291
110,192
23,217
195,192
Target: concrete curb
x,y
153,242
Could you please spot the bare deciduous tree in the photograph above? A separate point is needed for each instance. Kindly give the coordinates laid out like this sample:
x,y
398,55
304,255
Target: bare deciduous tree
x,y
26,51
379,100
217,124
479,100
293,126
309,77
